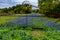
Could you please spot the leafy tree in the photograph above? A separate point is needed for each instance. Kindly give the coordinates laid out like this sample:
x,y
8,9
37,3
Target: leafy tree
x,y
49,7
18,9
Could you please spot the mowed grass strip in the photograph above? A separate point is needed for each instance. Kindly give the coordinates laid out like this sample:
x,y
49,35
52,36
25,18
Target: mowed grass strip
x,y
4,19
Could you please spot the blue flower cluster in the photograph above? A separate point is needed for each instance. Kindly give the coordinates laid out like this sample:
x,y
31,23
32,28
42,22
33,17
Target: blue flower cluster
x,y
32,20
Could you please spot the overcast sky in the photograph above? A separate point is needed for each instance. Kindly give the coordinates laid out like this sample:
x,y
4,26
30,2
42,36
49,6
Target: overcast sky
x,y
8,3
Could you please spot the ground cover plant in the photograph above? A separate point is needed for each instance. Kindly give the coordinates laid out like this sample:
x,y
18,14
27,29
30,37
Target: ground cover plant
x,y
17,29
4,19
7,33
33,21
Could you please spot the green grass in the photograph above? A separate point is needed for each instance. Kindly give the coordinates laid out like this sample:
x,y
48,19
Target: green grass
x,y
4,19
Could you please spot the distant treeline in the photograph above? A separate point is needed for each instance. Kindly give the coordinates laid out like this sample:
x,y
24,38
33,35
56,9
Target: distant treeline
x,y
50,8
18,9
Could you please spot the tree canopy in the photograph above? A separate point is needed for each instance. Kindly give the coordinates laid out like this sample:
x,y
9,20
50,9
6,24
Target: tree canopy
x,y
18,9
49,7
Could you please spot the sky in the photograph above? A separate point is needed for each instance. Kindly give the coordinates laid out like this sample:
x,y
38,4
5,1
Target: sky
x,y
9,3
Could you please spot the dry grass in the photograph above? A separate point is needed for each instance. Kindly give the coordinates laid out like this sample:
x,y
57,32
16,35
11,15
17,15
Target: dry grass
x,y
37,33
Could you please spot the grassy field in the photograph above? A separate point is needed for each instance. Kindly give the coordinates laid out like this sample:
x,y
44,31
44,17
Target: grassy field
x,y
15,32
4,19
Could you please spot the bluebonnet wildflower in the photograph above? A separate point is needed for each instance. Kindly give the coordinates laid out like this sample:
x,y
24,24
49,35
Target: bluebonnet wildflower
x,y
31,19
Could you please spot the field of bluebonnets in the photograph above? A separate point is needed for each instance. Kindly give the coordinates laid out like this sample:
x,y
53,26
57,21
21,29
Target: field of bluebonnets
x,y
21,28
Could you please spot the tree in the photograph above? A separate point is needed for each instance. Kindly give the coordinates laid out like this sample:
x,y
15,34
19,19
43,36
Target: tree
x,y
18,9
49,7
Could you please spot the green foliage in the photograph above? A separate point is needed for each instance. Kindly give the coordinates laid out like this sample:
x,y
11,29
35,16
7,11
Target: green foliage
x,y
18,34
35,11
51,35
18,9
50,7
